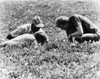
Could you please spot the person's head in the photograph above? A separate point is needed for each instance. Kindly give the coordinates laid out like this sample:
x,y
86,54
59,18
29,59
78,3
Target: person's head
x,y
36,23
62,22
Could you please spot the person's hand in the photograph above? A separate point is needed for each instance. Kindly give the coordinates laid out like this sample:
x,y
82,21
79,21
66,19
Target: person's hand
x,y
70,39
73,44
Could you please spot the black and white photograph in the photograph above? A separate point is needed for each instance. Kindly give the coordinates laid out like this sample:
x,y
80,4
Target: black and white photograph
x,y
49,39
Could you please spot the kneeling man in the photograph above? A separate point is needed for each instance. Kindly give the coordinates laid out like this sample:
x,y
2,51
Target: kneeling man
x,y
78,28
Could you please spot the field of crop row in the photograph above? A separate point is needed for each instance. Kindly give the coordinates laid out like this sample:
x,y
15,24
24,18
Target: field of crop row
x,y
55,60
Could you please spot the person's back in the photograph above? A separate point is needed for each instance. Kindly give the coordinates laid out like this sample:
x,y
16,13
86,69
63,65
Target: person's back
x,y
88,25
25,28
76,20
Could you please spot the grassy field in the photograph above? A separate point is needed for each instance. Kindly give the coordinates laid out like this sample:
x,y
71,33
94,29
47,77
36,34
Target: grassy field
x,y
56,60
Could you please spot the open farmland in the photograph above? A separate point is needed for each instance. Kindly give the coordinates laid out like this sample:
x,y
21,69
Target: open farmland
x,y
55,60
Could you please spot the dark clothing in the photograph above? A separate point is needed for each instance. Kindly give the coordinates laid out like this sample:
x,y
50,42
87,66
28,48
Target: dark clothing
x,y
76,20
88,38
89,30
34,28
41,38
9,36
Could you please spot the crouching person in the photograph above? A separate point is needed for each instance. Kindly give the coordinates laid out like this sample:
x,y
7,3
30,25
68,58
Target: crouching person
x,y
78,28
21,41
34,28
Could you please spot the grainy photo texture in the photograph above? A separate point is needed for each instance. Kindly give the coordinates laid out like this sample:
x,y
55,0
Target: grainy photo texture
x,y
49,39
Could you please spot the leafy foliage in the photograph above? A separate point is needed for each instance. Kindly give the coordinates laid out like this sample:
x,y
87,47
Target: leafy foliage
x,y
57,59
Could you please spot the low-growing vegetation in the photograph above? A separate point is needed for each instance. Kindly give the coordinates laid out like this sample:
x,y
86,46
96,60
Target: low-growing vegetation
x,y
57,59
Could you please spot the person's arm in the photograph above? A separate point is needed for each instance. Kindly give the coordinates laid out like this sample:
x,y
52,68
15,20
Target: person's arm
x,y
78,26
79,31
20,30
